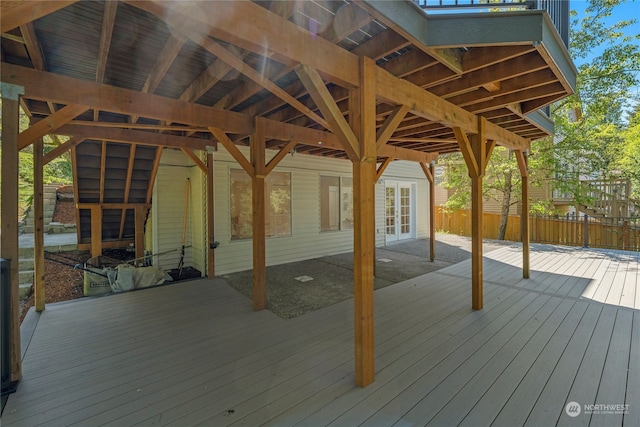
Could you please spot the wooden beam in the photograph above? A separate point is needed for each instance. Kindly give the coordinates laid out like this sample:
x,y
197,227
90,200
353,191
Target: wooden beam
x,y
400,153
233,150
33,46
199,163
113,205
467,152
396,91
279,156
76,197
108,20
258,197
205,81
287,43
491,145
390,125
327,105
38,226
362,115
154,173
115,244
9,212
14,13
61,149
103,169
164,60
223,54
211,250
96,231
132,137
49,124
382,167
66,90
127,189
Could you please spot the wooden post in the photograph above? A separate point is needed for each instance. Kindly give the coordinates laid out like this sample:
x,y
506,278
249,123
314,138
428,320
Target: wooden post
x,y
9,212
96,231
140,213
476,242
475,152
211,253
257,141
525,231
362,114
432,214
429,172
38,226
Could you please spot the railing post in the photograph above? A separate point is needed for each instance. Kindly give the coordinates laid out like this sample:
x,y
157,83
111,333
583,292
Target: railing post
x,y
586,231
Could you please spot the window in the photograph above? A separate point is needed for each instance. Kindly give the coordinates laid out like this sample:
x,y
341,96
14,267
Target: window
x,y
336,203
278,204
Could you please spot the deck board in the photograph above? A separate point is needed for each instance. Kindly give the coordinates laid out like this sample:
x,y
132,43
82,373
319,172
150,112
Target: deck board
x,y
196,353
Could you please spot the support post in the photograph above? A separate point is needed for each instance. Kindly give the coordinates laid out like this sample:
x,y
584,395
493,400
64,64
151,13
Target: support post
x,y
362,114
526,230
140,213
525,226
432,214
476,243
9,212
211,252
38,228
474,150
96,231
257,142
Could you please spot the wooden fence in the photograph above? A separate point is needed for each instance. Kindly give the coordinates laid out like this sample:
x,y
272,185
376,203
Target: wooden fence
x,y
610,233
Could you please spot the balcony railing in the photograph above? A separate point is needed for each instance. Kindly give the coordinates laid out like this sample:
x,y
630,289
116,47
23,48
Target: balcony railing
x,y
558,10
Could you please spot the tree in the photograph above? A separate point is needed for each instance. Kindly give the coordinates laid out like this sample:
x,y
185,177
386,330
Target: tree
x,y
592,143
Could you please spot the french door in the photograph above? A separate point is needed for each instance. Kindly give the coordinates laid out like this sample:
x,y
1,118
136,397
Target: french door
x,y
398,211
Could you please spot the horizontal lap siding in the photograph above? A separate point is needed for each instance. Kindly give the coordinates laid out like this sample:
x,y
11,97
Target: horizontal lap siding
x,y
168,210
306,241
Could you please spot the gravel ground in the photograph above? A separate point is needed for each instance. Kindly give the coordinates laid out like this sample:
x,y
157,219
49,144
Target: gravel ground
x,y
333,275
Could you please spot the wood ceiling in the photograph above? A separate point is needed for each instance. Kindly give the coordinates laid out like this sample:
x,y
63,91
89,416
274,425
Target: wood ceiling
x,y
163,74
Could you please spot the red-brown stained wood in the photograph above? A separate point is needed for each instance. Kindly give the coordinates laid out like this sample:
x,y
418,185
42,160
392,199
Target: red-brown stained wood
x,y
259,215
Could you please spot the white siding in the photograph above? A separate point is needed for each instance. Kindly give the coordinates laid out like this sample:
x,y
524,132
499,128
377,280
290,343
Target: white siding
x,y
168,210
306,240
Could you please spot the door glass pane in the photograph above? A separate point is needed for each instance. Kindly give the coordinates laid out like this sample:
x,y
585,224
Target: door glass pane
x,y
405,210
390,210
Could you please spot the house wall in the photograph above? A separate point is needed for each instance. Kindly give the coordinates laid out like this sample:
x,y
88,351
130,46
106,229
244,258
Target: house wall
x,y
168,207
306,240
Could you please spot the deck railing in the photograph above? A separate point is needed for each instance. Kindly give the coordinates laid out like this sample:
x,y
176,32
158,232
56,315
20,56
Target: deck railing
x,y
558,10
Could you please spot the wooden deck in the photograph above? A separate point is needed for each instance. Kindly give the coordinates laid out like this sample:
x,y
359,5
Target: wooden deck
x,y
195,353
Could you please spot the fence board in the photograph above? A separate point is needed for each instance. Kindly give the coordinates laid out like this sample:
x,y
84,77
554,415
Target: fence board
x,y
608,233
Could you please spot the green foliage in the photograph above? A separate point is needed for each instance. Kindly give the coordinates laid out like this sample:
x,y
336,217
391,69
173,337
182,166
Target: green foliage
x,y
58,170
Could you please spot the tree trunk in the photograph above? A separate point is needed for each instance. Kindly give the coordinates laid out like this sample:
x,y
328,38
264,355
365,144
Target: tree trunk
x,y
506,203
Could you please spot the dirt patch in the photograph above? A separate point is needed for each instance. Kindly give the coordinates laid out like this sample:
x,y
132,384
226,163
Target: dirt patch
x,y
62,282
65,210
